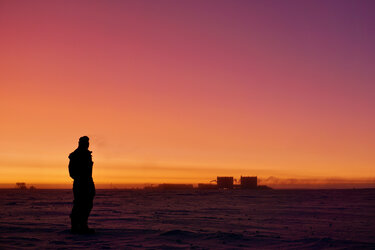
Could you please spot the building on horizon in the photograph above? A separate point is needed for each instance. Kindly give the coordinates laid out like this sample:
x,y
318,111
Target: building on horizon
x,y
21,185
249,182
225,182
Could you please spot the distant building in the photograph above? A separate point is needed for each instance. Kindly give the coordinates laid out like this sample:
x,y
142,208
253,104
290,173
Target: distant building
x,y
222,182
225,182
249,182
21,185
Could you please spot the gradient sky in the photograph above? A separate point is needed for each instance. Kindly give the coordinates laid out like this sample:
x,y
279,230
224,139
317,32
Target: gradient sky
x,y
183,91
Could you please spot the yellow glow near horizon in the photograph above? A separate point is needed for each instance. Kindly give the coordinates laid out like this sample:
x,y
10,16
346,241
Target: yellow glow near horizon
x,y
216,89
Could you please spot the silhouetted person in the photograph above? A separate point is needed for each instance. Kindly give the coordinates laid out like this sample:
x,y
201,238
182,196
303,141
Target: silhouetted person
x,y
80,169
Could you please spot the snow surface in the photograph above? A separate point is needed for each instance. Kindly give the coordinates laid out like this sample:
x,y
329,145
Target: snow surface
x,y
193,219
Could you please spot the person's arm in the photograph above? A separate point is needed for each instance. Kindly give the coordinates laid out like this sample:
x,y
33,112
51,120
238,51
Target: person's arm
x,y
72,168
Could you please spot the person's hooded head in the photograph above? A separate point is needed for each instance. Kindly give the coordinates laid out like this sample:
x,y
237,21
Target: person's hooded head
x,y
83,142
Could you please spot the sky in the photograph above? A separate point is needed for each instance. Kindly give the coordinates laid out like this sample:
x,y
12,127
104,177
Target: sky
x,y
184,91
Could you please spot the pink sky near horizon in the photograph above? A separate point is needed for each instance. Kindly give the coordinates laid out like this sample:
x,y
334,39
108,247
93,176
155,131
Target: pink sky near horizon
x,y
183,91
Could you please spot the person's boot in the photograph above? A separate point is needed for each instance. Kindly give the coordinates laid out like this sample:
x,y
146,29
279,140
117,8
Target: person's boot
x,y
78,226
86,229
75,227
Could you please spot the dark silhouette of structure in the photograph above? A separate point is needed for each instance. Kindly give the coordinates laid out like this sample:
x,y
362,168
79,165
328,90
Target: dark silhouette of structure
x,y
249,182
222,182
225,182
80,169
21,185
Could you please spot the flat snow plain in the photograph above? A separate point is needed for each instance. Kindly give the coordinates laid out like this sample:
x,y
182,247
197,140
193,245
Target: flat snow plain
x,y
193,219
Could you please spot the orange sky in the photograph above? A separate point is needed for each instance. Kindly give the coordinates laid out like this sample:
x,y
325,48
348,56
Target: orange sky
x,y
183,92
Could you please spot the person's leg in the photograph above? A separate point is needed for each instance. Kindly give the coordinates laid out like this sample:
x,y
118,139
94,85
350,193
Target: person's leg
x,y
89,202
82,205
86,209
74,213
78,212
